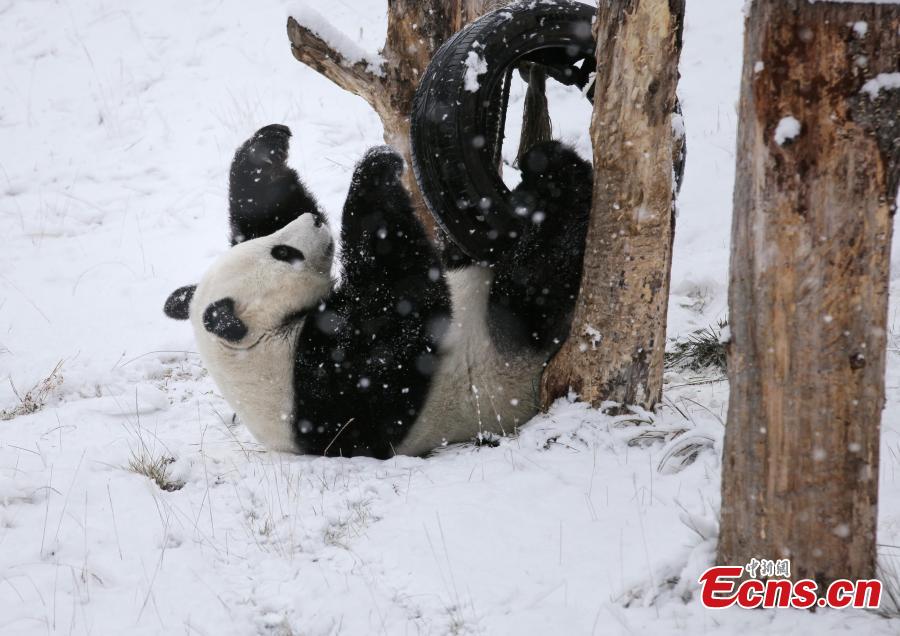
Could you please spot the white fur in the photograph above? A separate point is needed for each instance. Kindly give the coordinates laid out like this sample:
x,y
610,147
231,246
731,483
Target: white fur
x,y
256,374
476,389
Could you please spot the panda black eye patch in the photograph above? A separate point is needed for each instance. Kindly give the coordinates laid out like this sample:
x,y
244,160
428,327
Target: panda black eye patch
x,y
318,218
287,254
219,319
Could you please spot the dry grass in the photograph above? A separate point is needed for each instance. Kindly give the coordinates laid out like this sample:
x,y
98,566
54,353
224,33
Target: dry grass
x,y
889,573
36,397
683,452
699,350
350,526
156,468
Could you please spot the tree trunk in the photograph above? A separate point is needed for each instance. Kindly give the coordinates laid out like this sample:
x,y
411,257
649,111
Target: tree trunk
x,y
817,176
615,350
416,28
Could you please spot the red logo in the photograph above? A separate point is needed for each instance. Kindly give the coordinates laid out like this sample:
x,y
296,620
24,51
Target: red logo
x,y
721,587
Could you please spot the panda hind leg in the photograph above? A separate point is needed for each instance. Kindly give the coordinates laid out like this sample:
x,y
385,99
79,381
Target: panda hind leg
x,y
536,282
390,313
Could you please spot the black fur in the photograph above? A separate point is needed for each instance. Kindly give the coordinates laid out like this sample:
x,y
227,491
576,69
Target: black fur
x,y
264,193
536,283
219,318
287,254
365,359
178,304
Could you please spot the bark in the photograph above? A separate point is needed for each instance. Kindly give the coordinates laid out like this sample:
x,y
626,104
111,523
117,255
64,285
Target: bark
x,y
416,28
811,240
615,350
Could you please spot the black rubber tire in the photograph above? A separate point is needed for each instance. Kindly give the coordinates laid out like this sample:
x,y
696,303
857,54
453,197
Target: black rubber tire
x,y
455,141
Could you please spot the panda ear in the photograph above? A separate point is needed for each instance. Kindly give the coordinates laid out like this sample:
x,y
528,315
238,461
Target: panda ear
x,y
219,319
178,304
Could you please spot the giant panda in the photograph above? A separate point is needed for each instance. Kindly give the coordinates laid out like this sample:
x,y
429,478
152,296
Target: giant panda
x,y
414,346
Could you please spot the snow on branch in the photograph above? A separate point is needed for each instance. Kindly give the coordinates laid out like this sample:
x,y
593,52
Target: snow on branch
x,y
316,43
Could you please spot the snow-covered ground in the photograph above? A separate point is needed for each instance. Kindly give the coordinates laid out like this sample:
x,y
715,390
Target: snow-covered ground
x,y
117,125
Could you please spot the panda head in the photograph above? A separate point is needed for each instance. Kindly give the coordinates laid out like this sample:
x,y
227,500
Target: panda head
x,y
259,289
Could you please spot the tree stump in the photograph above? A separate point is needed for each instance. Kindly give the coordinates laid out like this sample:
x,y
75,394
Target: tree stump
x,y
416,28
817,176
616,348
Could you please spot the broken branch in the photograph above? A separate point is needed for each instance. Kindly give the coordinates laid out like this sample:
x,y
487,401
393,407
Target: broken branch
x,y
310,49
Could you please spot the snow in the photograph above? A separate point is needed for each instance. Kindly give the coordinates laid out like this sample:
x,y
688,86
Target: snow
x,y
787,130
593,335
881,82
725,335
306,16
117,127
476,66
678,126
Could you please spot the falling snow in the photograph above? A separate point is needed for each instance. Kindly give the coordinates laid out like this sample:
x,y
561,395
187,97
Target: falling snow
x,y
116,129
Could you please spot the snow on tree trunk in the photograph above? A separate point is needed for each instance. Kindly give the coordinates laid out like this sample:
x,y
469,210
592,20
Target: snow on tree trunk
x,y
817,175
416,28
616,347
